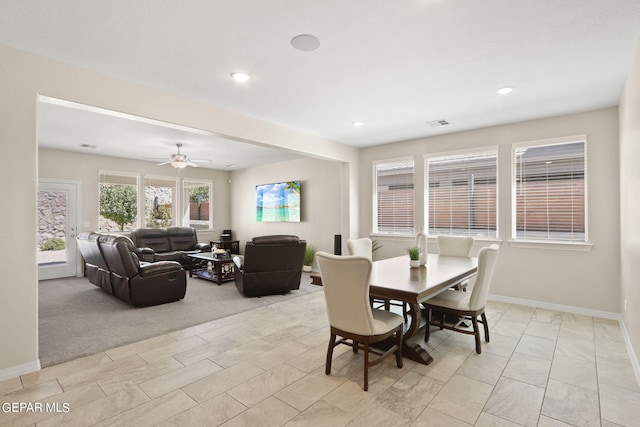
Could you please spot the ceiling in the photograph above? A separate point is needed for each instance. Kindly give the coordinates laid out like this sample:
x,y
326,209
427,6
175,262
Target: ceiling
x,y
393,65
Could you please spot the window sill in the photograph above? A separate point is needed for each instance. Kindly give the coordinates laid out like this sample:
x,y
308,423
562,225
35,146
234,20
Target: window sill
x,y
562,246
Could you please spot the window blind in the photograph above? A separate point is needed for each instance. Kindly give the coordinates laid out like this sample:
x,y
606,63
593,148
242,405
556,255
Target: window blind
x,y
394,197
549,186
462,194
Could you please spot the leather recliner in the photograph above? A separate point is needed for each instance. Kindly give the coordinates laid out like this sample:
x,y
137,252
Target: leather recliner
x,y
138,283
95,266
167,244
271,265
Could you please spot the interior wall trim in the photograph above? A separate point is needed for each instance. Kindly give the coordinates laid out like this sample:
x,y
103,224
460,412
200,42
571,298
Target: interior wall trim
x,y
16,371
632,354
556,307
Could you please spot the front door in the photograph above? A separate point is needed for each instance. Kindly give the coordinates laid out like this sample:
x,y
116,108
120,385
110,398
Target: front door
x,y
57,229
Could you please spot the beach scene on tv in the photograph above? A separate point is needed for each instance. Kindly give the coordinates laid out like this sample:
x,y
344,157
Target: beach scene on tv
x,y
278,202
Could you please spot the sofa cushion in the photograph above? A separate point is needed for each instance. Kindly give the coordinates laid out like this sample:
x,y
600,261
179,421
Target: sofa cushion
x,y
154,238
182,238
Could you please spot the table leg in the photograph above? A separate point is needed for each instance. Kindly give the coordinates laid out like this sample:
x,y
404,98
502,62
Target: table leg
x,y
410,350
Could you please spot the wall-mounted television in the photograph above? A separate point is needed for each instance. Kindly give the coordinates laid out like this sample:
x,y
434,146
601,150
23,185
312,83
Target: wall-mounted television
x,y
278,202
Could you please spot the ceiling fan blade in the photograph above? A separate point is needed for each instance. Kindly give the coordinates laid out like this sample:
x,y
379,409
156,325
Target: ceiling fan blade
x,y
164,163
192,164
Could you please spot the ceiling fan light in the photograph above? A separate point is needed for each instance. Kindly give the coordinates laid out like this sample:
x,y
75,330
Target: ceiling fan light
x,y
179,164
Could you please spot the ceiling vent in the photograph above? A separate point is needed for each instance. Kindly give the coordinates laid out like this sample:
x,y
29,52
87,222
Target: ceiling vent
x,y
437,123
87,146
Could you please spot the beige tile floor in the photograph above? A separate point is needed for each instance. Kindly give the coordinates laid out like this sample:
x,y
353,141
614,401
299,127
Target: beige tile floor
x,y
265,367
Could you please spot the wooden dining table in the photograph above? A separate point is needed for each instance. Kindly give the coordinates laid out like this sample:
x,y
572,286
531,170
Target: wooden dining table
x,y
393,279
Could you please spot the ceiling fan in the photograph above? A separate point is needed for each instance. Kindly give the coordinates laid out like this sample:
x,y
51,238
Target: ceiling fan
x,y
179,160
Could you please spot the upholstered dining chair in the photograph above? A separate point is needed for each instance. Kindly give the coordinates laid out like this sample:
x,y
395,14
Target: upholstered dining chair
x,y
345,282
364,247
455,246
466,304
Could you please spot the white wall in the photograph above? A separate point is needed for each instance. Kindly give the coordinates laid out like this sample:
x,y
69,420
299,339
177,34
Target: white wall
x,y
55,164
23,77
587,280
321,201
630,203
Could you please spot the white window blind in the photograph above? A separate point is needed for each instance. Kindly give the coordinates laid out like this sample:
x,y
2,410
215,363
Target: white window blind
x,y
549,192
462,194
394,198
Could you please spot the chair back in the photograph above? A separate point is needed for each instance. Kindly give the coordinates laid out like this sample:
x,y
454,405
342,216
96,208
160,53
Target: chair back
x,y
360,247
454,245
345,280
486,263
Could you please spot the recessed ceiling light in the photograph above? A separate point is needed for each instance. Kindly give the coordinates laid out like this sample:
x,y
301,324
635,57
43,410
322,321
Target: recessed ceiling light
x,y
305,42
357,124
240,77
504,90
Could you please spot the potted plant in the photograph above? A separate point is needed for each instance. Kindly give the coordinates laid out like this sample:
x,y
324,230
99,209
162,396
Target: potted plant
x,y
414,256
309,254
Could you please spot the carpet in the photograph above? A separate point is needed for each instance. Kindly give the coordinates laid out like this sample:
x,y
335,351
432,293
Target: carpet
x,y
77,319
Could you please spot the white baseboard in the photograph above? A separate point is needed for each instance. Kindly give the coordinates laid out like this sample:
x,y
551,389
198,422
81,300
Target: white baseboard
x,y
16,371
556,307
632,354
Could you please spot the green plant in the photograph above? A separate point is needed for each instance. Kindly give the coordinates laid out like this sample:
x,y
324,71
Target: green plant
x,y
118,204
375,245
309,254
52,244
414,253
159,218
199,194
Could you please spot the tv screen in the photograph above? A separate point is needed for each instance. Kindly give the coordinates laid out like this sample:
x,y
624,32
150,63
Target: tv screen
x,y
278,202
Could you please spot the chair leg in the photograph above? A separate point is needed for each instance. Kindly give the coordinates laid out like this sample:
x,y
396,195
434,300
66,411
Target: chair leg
x,y
476,333
354,346
399,337
332,344
486,327
427,332
366,365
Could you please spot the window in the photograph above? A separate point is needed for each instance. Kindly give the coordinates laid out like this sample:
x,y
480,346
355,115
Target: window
x,y
118,194
159,201
462,194
394,197
549,190
197,204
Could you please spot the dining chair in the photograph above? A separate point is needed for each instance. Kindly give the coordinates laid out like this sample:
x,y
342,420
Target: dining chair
x,y
364,247
345,282
466,304
455,246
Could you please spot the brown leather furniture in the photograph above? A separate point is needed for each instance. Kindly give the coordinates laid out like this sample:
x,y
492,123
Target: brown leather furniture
x,y
271,265
138,283
167,244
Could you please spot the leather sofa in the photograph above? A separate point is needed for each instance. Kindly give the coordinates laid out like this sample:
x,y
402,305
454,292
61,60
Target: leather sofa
x,y
112,265
270,265
167,244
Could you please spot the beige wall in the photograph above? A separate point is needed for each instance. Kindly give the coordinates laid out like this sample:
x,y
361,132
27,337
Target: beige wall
x,y
22,78
321,201
630,203
587,280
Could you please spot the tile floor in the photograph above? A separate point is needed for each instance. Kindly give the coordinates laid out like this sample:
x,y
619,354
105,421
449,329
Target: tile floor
x,y
266,367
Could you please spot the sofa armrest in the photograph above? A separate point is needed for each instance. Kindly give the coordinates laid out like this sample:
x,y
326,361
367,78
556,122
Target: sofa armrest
x,y
144,254
203,246
159,267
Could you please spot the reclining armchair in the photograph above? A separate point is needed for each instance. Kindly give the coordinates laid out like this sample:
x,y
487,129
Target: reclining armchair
x,y
271,265
95,266
141,284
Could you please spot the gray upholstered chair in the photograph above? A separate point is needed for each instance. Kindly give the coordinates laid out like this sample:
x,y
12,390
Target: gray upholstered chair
x,y
466,304
345,282
455,246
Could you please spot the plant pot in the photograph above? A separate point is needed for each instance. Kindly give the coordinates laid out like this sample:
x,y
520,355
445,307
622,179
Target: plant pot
x,y
307,268
414,263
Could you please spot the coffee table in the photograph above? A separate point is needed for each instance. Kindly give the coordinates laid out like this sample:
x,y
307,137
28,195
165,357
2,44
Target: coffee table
x,y
222,269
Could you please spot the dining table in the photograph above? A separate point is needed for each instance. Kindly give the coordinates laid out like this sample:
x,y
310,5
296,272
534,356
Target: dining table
x,y
393,279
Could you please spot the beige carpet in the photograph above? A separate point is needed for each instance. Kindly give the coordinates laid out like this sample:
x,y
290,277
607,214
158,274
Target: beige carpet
x,y
77,318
